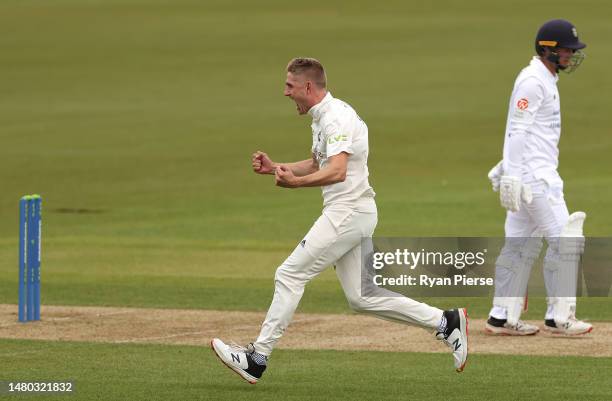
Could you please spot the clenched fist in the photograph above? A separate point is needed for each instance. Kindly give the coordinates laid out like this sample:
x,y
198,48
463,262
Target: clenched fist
x,y
262,163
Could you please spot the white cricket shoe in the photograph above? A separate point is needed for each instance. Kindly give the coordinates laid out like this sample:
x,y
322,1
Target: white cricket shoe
x,y
239,359
501,327
573,327
455,335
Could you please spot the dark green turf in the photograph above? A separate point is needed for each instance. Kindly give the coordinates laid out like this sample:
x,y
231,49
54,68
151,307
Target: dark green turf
x,y
166,277
136,119
155,372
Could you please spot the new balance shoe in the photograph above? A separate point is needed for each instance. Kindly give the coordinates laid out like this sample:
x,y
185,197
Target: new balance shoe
x,y
501,327
240,359
573,327
454,332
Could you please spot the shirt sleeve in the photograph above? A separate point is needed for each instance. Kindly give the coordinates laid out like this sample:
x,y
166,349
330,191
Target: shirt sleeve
x,y
337,139
524,105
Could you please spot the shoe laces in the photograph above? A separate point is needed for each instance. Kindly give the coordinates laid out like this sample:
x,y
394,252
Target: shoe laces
x,y
236,347
571,320
249,349
447,343
520,325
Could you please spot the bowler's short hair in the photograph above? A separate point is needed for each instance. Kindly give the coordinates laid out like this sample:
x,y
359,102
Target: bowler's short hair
x,y
310,67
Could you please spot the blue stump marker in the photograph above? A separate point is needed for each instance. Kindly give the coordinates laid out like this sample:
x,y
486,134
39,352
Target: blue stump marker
x,y
30,236
22,258
36,255
30,261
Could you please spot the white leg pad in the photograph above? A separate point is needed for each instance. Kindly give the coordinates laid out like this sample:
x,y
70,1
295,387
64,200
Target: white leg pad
x,y
565,267
513,269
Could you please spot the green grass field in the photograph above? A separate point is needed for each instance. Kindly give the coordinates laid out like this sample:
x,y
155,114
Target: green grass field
x,y
136,119
179,373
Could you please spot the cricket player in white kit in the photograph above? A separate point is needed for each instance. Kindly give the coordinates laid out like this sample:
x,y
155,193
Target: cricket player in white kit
x,y
532,192
339,166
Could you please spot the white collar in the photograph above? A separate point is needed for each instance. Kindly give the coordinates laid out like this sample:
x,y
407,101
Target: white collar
x,y
317,110
544,71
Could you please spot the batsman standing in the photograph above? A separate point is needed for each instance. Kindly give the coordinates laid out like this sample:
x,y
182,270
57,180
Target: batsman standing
x,y
339,166
532,192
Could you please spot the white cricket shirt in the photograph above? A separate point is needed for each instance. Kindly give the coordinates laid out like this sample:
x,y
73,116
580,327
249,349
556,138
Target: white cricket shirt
x,y
337,128
533,127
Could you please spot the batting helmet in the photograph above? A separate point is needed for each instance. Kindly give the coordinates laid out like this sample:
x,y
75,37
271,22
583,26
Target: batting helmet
x,y
559,33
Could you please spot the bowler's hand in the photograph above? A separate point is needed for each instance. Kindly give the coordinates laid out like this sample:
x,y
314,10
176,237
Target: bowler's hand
x,y
285,178
262,163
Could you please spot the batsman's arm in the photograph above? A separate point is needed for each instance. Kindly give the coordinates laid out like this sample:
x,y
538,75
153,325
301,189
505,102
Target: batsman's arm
x,y
524,105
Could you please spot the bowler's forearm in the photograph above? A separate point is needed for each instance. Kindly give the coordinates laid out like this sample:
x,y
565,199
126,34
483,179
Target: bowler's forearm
x,y
326,176
301,168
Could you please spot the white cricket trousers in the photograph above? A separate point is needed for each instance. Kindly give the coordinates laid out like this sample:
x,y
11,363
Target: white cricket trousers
x,y
335,239
544,217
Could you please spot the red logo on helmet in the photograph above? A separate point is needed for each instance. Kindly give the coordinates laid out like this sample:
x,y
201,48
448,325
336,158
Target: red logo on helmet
x,y
522,104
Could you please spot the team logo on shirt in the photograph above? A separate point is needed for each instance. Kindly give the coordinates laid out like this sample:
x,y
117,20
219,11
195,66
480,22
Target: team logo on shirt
x,y
336,138
522,104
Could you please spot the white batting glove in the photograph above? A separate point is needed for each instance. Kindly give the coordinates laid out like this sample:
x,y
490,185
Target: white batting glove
x,y
512,192
495,175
